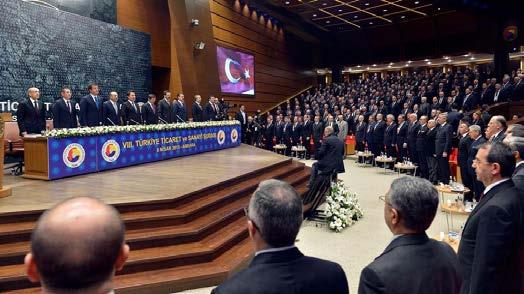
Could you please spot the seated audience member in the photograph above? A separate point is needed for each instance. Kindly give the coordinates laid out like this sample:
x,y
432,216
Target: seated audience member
x,y
491,241
76,247
330,156
274,218
412,262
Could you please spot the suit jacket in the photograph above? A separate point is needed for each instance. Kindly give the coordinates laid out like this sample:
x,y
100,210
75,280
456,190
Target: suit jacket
x,y
491,246
62,117
210,113
317,131
29,119
342,130
412,135
269,133
505,92
287,132
279,132
518,92
518,177
165,111
179,112
402,134
131,116
463,150
296,133
500,137
369,132
149,116
334,125
287,271
443,139
198,112
390,135
378,132
361,131
413,264
429,147
240,118
91,114
110,116
330,155
472,152
470,102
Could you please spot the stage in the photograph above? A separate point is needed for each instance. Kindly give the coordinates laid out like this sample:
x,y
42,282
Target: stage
x,y
161,180
184,217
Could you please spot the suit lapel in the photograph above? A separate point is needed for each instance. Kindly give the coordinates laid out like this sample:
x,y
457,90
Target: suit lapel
x,y
500,187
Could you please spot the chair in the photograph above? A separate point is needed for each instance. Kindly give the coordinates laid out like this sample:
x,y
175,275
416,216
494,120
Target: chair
x,y
13,148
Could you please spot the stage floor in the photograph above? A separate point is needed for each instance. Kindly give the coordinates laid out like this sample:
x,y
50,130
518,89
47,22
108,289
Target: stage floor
x,y
151,181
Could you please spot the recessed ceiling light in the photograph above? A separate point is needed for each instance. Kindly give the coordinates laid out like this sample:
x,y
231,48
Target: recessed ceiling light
x,y
287,2
389,66
403,16
359,66
356,16
324,4
409,61
367,4
417,2
429,62
449,60
426,60
385,10
472,58
327,21
314,15
374,65
367,68
340,10
407,65
370,22
438,8
350,69
466,55
391,63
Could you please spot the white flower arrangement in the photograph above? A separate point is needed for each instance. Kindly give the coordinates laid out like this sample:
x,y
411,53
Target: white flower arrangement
x,y
102,130
342,208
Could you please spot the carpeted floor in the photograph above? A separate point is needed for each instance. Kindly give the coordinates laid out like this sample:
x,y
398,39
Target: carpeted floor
x,y
358,245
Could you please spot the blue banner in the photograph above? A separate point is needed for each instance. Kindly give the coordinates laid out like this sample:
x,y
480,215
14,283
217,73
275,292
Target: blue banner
x,y
75,156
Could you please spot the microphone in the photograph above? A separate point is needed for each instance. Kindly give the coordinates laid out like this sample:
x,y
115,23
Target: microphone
x,y
165,122
111,121
180,118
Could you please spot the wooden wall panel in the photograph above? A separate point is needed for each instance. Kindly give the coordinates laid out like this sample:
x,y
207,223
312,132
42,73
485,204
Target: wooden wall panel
x,y
276,77
150,17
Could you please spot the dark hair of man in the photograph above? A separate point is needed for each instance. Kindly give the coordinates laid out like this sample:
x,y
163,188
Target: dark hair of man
x,y
91,86
165,92
516,144
129,93
64,89
69,264
151,96
276,210
501,153
416,200
178,95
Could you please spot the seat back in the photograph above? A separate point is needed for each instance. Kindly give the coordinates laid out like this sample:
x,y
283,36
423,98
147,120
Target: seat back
x,y
11,131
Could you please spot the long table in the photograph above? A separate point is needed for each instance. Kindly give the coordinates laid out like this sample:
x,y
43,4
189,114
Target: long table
x,y
51,158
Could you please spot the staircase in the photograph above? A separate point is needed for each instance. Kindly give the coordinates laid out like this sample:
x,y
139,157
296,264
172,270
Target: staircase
x,y
193,241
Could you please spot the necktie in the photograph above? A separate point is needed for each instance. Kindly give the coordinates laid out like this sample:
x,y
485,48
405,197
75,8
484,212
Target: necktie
x,y
69,106
36,105
153,107
134,106
115,107
96,101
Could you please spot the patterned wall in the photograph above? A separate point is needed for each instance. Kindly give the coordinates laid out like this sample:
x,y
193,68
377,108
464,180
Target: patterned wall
x,y
46,48
103,10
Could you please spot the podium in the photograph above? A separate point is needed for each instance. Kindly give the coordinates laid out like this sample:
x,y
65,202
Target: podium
x,y
36,158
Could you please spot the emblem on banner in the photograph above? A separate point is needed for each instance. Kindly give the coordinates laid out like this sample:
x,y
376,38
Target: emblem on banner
x,y
110,150
234,135
221,137
74,155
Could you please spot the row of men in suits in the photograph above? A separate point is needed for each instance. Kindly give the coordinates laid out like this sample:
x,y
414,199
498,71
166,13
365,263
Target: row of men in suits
x,y
92,110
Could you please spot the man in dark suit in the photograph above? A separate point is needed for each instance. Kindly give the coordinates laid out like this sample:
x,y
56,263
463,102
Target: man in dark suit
x,y
462,158
198,112
330,156
506,89
477,140
413,128
360,133
307,132
65,111
443,148
30,114
287,134
518,88
390,136
429,150
421,147
91,108
212,109
149,112
490,250
274,218
331,123
241,116
378,135
517,147
279,130
165,110
317,132
296,132
112,111
131,112
402,138
412,262
497,126
470,101
269,133
369,134
179,109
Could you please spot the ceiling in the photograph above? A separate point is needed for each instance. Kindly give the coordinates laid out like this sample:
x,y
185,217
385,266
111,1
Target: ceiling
x,y
349,15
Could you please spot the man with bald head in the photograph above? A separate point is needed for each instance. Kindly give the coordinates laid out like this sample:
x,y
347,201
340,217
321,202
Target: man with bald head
x,y
30,114
76,247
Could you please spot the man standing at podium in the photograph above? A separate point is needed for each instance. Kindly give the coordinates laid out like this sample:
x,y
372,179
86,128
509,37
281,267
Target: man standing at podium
x,y
31,114
131,111
112,111
165,113
179,109
91,108
65,111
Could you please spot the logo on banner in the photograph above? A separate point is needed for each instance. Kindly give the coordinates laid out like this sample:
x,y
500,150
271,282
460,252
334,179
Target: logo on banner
x,y
234,135
221,137
74,155
110,151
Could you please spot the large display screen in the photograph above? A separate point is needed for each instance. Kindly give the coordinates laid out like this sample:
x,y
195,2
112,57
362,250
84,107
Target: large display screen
x,y
236,71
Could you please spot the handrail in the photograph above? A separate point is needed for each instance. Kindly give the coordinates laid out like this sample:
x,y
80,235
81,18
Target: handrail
x,y
286,100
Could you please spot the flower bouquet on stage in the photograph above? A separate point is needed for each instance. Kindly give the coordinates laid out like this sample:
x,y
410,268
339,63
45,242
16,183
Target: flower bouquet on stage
x,y
342,208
